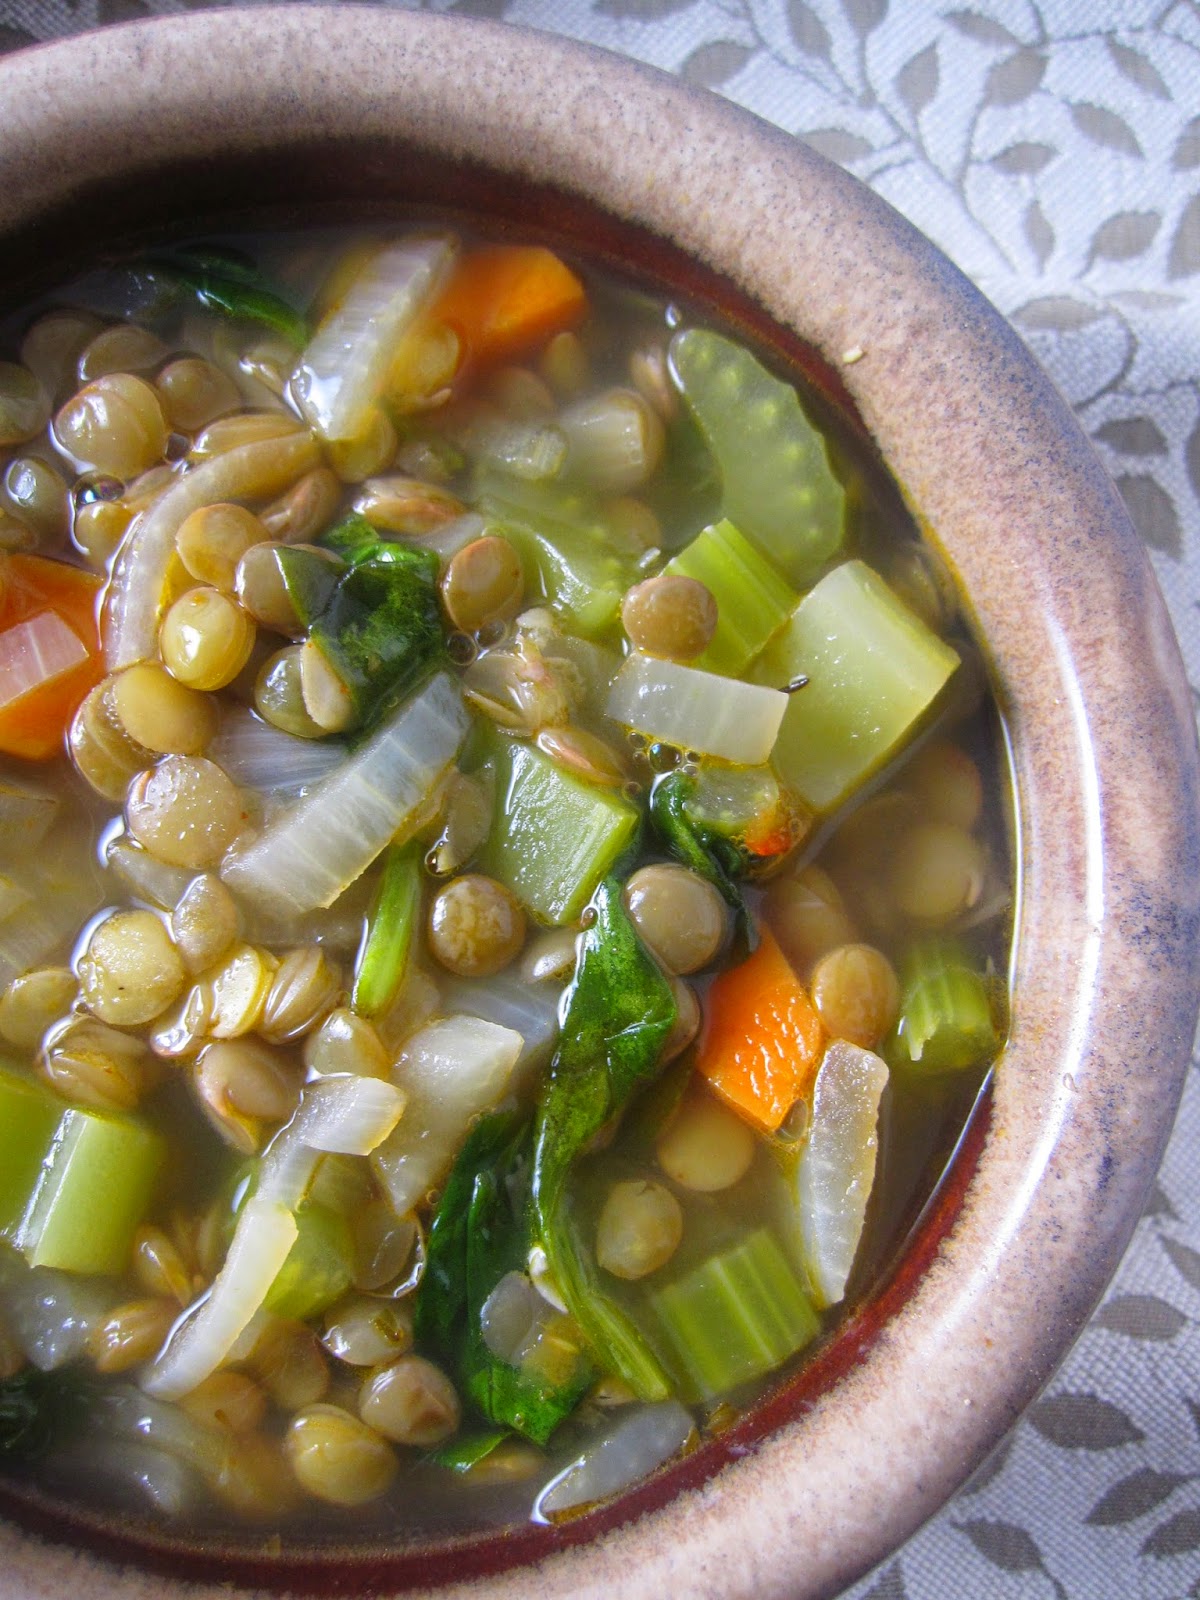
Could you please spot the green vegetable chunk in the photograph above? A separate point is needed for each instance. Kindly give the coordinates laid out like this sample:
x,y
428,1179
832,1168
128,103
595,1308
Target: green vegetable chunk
x,y
619,1013
383,958
873,670
39,1410
93,1189
319,1267
777,484
379,627
753,601
554,837
945,1021
230,282
29,1115
711,854
481,1233
735,1317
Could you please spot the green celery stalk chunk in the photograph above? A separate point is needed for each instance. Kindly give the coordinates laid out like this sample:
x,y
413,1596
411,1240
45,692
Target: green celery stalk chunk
x,y
945,1021
29,1116
92,1191
318,1269
383,958
735,1317
753,601
873,670
777,484
553,837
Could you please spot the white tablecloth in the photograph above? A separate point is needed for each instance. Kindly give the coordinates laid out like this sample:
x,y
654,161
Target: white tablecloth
x,y
1053,151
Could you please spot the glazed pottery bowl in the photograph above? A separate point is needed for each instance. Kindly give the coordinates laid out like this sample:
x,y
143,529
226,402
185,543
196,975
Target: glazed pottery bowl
x,y
288,114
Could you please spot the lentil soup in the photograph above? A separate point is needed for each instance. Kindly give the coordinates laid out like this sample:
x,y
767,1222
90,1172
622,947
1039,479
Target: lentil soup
x,y
504,894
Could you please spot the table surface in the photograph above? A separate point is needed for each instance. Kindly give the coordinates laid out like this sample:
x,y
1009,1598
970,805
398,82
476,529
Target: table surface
x,y
979,123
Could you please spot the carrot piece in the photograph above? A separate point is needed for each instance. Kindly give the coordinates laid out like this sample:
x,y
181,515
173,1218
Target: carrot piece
x,y
762,1040
503,300
34,725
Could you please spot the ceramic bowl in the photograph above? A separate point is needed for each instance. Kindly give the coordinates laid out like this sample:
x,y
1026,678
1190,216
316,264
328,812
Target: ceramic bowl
x,y
278,112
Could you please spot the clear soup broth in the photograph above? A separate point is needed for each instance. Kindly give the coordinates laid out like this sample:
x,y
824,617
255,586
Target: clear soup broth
x,y
504,883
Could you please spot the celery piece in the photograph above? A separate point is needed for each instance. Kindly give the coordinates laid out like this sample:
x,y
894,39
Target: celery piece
x,y
777,484
29,1114
319,1267
554,837
873,670
92,1190
383,958
734,1318
571,556
945,1020
753,601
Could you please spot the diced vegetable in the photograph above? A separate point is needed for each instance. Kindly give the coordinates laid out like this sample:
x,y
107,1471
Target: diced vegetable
x,y
777,484
733,1318
345,367
873,669
451,1070
262,1241
319,1266
554,837
837,1164
391,922
308,856
945,1020
617,1016
92,1190
258,755
695,710
641,1439
753,601
139,582
529,1009
38,1411
762,1038
502,300
49,652
29,1116
63,890
702,849
233,285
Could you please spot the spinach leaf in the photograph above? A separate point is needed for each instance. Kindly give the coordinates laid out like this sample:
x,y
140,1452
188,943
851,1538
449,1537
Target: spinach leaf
x,y
38,1409
480,1234
706,852
619,1012
230,282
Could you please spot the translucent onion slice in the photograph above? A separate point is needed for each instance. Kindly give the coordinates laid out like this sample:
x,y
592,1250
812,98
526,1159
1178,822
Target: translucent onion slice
x,y
528,1009
63,888
265,1233
35,653
316,849
26,814
451,1070
696,710
345,368
837,1164
643,1438
259,756
262,468
342,1115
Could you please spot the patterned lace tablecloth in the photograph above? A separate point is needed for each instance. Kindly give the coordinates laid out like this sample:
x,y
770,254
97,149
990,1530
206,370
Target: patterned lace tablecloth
x,y
1053,151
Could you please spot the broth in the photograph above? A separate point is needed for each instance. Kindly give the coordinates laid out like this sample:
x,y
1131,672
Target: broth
x,y
503,916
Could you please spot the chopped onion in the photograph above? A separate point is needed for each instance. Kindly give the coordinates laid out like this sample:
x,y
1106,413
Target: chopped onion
x,y
26,814
35,653
528,1009
343,372
199,1343
264,467
259,756
149,878
695,710
63,888
49,1313
643,1438
317,848
125,1413
344,1115
13,896
451,1070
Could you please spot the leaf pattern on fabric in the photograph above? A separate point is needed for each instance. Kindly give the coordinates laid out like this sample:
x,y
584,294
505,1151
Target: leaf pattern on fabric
x,y
714,64
918,79
1083,1422
1178,1536
808,31
1026,157
890,1585
1128,234
1014,79
1105,127
1153,512
864,16
1184,1259
1132,1497
1008,1547
1185,246
1186,154
1140,1316
983,30
991,1468
1136,436
838,145
1137,69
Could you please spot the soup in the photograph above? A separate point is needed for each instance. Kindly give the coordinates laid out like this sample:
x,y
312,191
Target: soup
x,y
503,894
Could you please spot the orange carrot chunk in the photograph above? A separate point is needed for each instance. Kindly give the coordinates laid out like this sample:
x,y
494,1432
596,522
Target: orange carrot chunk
x,y
762,1040
503,300
49,652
